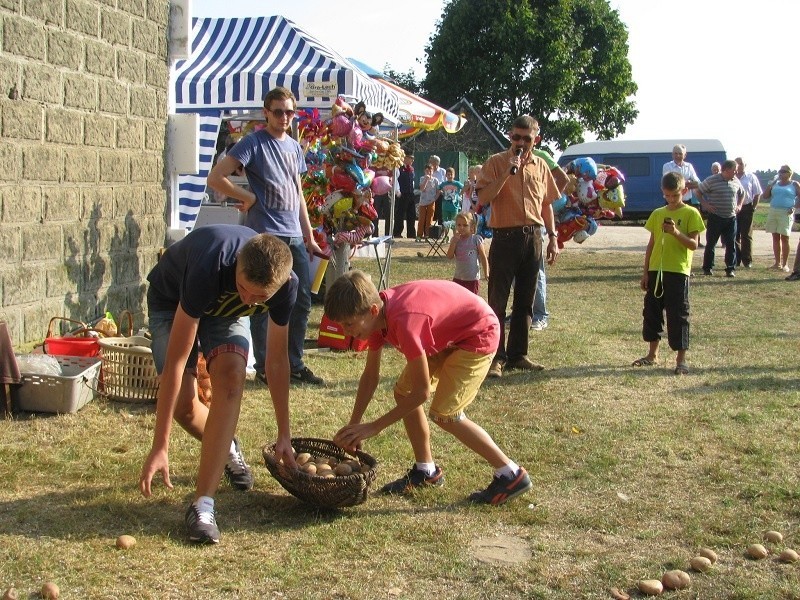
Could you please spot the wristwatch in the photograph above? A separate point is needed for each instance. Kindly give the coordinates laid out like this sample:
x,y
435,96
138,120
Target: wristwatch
x,y
552,234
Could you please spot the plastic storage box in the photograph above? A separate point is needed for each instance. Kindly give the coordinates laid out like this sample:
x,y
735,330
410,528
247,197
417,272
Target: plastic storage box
x,y
65,393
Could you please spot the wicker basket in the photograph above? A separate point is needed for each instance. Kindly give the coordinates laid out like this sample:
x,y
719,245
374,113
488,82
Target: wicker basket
x,y
129,373
338,492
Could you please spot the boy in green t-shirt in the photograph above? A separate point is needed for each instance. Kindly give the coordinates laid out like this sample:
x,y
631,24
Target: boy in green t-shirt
x,y
674,236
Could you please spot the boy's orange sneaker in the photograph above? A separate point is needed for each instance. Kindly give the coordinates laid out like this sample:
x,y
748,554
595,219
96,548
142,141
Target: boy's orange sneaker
x,y
503,489
414,479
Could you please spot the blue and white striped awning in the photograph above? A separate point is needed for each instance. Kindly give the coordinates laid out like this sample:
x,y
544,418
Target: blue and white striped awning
x,y
235,62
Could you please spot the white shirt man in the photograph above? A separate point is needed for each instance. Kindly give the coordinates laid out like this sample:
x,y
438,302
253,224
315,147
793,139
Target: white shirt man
x,y
678,164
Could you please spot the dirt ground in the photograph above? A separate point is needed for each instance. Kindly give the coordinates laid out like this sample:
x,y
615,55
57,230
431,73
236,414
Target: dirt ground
x,y
622,238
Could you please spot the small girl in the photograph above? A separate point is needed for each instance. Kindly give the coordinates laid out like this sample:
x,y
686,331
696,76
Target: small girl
x,y
467,248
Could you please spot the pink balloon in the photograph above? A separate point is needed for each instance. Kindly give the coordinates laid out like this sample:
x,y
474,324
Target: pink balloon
x,y
381,185
341,126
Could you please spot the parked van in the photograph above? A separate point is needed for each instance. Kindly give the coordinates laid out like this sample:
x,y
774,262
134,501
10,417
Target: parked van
x,y
642,162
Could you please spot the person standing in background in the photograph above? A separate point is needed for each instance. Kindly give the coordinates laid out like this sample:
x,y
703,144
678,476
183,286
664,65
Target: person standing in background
x,y
744,220
428,188
721,196
539,308
439,174
404,203
273,162
783,195
679,164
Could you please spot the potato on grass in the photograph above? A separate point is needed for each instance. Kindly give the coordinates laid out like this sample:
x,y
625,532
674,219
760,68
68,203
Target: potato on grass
x,y
757,551
701,564
650,587
126,541
775,537
50,591
676,580
789,556
708,553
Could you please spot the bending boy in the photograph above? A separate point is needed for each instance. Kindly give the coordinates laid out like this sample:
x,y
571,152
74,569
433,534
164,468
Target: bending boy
x,y
198,291
448,336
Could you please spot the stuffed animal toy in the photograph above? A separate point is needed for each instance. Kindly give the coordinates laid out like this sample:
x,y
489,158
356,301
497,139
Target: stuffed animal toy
x,y
613,199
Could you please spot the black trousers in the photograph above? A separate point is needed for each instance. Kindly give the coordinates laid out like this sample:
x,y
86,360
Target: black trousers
x,y
404,213
671,297
744,235
514,256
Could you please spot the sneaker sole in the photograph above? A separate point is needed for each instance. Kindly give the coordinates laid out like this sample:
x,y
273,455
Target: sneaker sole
x,y
205,540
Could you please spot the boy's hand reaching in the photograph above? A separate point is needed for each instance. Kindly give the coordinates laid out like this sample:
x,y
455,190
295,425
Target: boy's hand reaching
x,y
350,437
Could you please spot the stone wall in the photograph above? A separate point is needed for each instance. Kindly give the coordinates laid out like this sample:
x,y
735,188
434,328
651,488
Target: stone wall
x,y
83,203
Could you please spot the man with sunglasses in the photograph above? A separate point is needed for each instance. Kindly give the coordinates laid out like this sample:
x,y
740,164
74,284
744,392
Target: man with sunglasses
x,y
273,162
520,189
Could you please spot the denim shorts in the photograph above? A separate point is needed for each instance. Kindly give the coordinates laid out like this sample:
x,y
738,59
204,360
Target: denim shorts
x,y
214,334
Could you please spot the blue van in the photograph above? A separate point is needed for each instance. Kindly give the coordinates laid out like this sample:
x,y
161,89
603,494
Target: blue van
x,y
641,162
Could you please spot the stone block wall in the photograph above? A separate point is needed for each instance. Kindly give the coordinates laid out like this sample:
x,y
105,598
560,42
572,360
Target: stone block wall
x,y
83,200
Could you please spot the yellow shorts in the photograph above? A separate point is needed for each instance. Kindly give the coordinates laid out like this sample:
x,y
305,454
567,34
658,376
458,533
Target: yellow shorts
x,y
456,377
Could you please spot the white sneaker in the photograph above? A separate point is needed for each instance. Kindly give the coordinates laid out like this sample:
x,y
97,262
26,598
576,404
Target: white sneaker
x,y
539,325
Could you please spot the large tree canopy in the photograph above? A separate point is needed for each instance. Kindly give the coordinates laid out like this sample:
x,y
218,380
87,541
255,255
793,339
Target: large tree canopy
x,y
565,62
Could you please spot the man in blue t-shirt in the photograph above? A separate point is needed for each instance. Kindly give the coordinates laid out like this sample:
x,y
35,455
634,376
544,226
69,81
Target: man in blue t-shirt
x,y
199,290
273,162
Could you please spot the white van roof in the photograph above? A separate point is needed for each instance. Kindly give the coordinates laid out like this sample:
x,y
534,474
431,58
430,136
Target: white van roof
x,y
642,147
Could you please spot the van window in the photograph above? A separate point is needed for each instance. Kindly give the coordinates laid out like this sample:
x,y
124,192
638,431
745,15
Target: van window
x,y
631,166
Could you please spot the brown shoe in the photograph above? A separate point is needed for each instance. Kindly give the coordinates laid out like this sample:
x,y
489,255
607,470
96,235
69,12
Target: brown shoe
x,y
524,363
496,370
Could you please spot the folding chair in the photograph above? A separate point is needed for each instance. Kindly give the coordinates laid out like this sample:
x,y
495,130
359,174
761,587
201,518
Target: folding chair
x,y
436,237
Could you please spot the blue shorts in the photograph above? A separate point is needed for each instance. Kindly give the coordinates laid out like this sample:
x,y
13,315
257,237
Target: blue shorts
x,y
215,335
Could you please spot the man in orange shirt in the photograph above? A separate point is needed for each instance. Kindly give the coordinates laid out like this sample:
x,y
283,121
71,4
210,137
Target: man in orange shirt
x,y
520,189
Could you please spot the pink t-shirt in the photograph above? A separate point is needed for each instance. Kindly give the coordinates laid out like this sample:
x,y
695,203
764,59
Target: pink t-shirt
x,y
428,316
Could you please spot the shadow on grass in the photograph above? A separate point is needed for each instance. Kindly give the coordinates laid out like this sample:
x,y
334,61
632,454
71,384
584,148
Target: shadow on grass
x,y
87,514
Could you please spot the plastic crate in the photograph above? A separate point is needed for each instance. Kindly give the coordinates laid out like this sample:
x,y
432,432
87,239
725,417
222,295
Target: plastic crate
x,y
65,393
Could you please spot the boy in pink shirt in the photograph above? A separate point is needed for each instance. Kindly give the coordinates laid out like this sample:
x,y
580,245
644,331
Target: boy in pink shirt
x,y
448,336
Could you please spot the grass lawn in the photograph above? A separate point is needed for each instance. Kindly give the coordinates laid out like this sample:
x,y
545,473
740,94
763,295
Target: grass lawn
x,y
634,469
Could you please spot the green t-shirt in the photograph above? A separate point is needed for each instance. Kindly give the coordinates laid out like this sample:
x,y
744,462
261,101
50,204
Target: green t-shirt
x,y
545,156
668,253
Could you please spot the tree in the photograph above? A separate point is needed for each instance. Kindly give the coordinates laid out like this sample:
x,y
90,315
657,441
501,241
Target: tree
x,y
562,61
406,80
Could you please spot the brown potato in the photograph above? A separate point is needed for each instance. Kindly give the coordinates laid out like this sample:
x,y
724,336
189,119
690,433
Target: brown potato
x,y
676,580
789,556
757,551
10,594
708,553
310,468
343,469
776,537
303,458
701,564
126,541
650,587
324,468
50,591
618,594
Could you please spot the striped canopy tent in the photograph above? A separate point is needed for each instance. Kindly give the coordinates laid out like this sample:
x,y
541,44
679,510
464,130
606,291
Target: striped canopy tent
x,y
235,62
416,113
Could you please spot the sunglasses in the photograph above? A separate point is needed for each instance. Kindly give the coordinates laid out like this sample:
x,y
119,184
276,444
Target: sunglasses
x,y
279,112
517,137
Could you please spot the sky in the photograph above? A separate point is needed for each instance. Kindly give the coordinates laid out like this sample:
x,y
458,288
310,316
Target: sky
x,y
705,68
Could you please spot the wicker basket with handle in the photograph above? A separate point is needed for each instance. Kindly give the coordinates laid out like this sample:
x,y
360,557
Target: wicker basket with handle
x,y
337,492
129,373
